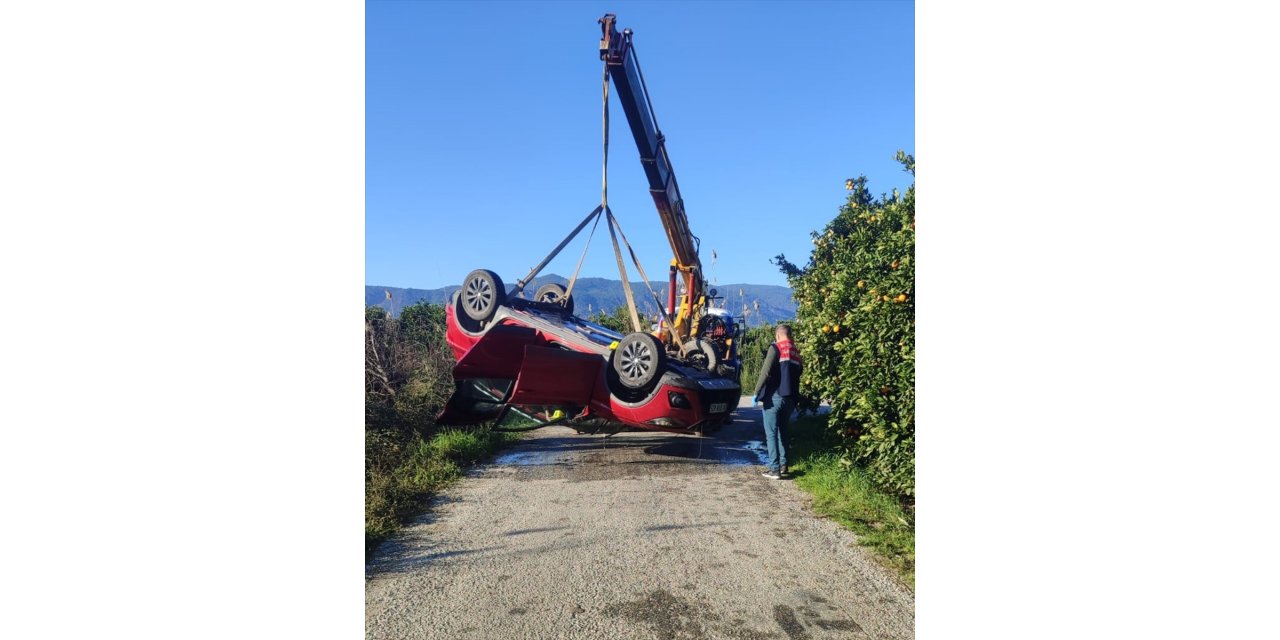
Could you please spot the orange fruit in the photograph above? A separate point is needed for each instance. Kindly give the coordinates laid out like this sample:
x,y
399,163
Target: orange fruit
x,y
894,265
861,284
902,297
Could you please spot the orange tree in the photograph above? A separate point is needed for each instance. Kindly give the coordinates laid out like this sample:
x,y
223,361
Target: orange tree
x,y
855,325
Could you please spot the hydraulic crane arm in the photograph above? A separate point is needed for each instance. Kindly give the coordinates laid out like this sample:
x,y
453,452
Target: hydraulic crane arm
x,y
616,49
693,333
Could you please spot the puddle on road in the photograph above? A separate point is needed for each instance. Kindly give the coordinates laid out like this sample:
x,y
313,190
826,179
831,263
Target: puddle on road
x,y
711,450
519,458
750,452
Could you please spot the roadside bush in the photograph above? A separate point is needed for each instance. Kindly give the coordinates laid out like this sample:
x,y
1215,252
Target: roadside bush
x,y
855,325
396,493
408,379
755,342
407,369
619,320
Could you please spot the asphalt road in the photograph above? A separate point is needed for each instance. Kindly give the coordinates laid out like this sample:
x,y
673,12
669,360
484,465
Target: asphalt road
x,y
640,535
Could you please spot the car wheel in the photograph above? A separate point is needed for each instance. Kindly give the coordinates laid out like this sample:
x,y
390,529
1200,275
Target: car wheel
x,y
638,360
552,292
701,354
482,292
468,326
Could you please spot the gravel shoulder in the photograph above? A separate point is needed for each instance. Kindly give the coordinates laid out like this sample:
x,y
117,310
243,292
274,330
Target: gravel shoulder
x,y
639,535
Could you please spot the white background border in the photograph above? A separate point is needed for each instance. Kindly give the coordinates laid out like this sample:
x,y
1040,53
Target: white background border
x,y
182,254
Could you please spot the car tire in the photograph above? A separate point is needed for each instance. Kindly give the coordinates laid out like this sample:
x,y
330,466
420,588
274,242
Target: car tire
x,y
701,354
638,360
482,293
465,323
554,293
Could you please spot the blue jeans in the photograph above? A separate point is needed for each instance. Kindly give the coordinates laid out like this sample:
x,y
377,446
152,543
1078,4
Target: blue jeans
x,y
777,414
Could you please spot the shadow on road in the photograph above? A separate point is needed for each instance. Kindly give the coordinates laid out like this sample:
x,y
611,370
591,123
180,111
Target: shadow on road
x,y
403,556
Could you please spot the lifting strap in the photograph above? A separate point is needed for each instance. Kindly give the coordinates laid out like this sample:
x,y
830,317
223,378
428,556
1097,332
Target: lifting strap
x,y
569,290
615,230
643,276
604,199
604,205
524,282
622,270
604,173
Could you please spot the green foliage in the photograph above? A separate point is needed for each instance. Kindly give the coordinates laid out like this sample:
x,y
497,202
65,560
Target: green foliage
x,y
408,379
619,320
407,367
465,447
855,325
755,343
422,325
418,468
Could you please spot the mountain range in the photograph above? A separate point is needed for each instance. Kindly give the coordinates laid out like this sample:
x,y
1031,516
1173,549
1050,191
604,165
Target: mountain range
x,y
593,295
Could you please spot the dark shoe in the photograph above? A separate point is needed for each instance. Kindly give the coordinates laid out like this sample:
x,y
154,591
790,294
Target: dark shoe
x,y
784,471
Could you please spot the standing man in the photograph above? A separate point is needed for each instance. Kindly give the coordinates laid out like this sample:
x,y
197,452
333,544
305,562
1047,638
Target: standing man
x,y
778,388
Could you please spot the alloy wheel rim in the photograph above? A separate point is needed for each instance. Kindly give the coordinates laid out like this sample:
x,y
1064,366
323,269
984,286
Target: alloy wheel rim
x,y
479,294
636,361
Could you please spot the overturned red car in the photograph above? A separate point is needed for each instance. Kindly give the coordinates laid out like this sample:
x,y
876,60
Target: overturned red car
x,y
535,357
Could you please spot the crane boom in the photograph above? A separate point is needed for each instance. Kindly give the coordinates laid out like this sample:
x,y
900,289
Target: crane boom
x,y
617,50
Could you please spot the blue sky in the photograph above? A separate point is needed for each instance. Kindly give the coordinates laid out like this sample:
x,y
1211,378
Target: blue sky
x,y
483,130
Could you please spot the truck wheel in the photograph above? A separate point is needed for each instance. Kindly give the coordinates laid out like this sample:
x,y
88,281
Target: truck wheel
x,y
701,354
482,292
552,292
638,360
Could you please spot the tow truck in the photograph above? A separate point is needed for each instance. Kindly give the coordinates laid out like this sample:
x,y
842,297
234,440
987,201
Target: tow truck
x,y
534,357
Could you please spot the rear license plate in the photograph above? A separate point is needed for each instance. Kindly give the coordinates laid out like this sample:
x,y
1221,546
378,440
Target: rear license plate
x,y
719,407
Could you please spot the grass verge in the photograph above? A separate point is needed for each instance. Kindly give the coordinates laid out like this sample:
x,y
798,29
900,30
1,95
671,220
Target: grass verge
x,y
846,495
394,496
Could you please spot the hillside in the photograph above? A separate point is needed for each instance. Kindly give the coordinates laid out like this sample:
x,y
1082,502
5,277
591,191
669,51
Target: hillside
x,y
592,295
